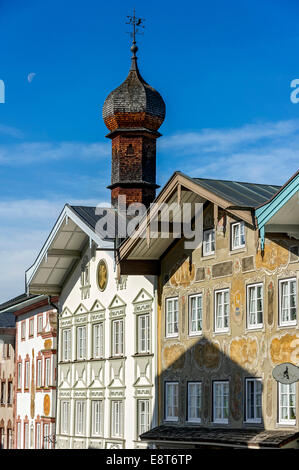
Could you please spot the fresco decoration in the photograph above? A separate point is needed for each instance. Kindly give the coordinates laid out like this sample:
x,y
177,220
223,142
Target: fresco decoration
x,y
269,396
174,356
238,300
102,275
47,404
285,349
48,344
182,274
244,352
207,354
270,294
236,396
275,259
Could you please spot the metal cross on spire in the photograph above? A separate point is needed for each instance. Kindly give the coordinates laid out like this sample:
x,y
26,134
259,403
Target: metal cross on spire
x,y
137,23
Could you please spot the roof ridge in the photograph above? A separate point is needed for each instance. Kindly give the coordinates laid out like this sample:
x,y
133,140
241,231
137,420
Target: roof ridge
x,y
235,181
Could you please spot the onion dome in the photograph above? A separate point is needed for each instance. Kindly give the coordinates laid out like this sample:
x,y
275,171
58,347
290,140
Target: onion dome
x,y
134,104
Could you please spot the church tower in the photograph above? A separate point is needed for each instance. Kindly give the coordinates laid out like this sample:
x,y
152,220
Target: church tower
x,y
133,113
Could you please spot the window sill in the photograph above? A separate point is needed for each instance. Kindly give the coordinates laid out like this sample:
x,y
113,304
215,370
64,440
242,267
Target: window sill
x,y
195,335
142,354
236,251
117,357
208,257
171,336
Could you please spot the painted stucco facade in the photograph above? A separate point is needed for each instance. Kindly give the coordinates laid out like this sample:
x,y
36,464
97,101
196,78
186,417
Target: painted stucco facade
x,y
7,358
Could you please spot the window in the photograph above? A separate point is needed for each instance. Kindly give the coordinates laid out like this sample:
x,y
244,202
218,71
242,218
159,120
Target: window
x,y
47,372
194,401
46,436
117,418
98,340
143,333
253,400
9,393
26,436
287,303
19,435
19,375
208,247
3,393
64,417
172,317
2,437
171,401
80,417
37,437
287,403
9,439
222,310
96,418
238,235
117,337
143,416
31,327
26,383
39,323
39,373
81,342
255,306
23,330
220,402
195,314
66,345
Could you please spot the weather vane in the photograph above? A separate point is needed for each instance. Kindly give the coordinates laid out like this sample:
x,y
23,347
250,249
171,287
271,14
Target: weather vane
x,y
137,23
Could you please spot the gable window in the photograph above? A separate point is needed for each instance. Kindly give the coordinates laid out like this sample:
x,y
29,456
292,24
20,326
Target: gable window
x,y
64,417
195,314
143,333
194,401
237,235
172,317
117,337
80,409
255,306
81,342
220,402
98,340
117,418
96,417
208,246
287,302
143,416
253,400
66,345
171,401
287,403
222,310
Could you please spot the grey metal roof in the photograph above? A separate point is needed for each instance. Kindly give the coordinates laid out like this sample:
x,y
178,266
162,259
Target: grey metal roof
x,y
7,320
15,301
239,194
201,435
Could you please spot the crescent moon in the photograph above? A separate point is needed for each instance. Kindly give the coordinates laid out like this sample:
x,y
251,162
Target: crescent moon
x,y
31,77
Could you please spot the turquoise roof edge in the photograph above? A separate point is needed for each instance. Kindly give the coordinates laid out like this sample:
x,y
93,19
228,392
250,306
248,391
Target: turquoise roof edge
x,y
265,213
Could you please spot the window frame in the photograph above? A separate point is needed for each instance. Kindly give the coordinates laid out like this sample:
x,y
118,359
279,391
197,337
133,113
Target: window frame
x,y
81,422
241,223
167,333
82,339
117,351
255,420
288,422
216,293
256,325
280,282
66,344
195,296
220,420
147,336
101,345
173,405
146,401
193,420
120,419
210,242
65,417
93,418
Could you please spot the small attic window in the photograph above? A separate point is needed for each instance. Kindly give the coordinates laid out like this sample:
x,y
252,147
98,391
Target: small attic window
x,y
130,150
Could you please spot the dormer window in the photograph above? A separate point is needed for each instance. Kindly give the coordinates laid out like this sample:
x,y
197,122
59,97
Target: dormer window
x,y
238,235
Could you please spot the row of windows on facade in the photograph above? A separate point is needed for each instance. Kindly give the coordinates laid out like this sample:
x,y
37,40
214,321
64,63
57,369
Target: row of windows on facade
x,y
237,239
45,369
39,326
6,437
117,339
43,438
97,418
220,401
6,392
254,306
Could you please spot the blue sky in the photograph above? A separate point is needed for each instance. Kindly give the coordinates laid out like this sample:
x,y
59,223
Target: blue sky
x,y
223,68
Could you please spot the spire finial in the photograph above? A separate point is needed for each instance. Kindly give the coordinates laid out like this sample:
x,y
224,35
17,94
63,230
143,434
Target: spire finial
x,y
136,23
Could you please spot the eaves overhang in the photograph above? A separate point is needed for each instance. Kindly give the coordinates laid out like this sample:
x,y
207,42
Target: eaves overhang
x,y
61,251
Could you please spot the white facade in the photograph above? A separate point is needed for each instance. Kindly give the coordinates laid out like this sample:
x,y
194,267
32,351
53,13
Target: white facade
x,y
35,378
107,366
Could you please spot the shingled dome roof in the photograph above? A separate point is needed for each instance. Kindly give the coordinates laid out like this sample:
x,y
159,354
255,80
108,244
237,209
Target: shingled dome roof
x,y
134,103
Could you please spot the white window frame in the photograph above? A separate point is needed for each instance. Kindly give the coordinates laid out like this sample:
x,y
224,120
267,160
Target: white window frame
x,y
46,434
257,392
80,417
19,435
241,233
31,327
27,373
289,421
208,243
198,316
81,342
222,292
26,435
174,317
38,436
174,386
65,414
143,333
19,384
222,384
66,344
281,282
143,411
256,324
39,373
98,340
23,329
48,372
117,418
190,406
40,323
118,337
96,417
